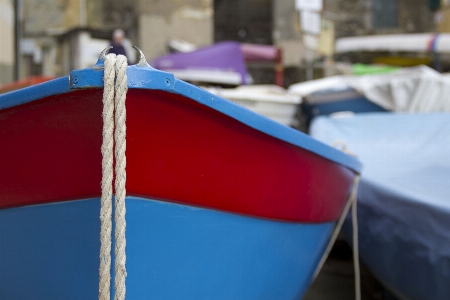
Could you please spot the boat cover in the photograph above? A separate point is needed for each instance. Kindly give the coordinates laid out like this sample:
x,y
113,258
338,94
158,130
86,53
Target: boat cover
x,y
219,63
403,197
223,62
268,100
415,42
255,52
415,89
256,92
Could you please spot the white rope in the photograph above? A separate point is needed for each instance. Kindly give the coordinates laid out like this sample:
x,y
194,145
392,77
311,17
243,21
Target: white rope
x,y
342,145
107,178
350,202
356,251
115,69
120,147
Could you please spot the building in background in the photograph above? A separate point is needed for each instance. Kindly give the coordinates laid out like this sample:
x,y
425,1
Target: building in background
x,y
7,40
396,32
57,36
163,20
72,31
443,17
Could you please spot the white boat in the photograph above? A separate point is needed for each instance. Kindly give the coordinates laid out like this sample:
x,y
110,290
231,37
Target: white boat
x,y
414,89
271,101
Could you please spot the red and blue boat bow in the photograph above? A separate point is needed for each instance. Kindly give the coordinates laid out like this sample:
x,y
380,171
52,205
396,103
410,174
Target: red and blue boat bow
x,y
221,202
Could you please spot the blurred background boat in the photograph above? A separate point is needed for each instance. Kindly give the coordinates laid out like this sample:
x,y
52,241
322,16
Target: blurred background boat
x,y
20,84
403,207
413,89
221,63
271,101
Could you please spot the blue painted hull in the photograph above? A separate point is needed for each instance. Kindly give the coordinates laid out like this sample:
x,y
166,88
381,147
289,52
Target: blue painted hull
x,y
173,252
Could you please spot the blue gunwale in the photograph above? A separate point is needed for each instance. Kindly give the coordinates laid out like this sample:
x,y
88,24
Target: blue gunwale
x,y
145,77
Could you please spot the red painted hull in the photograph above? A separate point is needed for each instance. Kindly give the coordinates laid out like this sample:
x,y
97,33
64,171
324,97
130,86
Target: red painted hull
x,y
177,150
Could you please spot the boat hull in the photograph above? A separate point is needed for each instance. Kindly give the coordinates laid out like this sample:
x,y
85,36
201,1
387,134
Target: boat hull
x,y
232,205
51,251
177,150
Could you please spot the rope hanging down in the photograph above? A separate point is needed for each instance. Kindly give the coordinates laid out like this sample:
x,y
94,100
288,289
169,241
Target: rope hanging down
x,y
114,117
351,202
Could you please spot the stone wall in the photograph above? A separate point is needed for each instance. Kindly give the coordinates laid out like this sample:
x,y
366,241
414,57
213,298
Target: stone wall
x,y
7,39
159,21
43,17
356,17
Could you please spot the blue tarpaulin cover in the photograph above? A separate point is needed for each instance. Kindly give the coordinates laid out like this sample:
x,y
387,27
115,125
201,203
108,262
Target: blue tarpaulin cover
x,y
403,197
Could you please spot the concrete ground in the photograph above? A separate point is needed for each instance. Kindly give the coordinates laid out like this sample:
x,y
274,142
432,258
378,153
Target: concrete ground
x,y
336,279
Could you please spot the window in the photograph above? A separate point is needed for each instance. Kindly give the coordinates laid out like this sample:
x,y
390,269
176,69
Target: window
x,y
243,20
385,14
